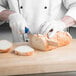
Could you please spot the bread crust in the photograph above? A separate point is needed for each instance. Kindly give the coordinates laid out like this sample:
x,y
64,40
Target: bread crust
x,y
5,51
62,38
24,54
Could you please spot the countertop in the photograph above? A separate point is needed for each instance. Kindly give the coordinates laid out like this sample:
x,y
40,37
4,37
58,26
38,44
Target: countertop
x,y
57,60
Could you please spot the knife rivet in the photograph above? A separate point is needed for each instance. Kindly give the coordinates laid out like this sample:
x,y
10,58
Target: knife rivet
x,y
27,40
51,30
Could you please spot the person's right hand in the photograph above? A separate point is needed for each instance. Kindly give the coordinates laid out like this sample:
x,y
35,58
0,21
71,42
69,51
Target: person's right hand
x,y
17,22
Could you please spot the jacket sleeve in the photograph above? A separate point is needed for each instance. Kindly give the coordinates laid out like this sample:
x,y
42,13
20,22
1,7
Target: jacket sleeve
x,y
3,5
70,5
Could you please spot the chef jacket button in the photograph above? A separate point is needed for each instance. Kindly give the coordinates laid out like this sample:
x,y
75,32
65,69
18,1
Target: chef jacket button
x,y
21,7
45,7
27,40
51,30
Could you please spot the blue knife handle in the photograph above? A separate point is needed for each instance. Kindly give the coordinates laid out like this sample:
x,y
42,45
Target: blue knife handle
x,y
26,30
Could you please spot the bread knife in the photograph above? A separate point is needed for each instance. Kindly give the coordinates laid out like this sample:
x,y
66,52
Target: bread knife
x,y
26,36
29,35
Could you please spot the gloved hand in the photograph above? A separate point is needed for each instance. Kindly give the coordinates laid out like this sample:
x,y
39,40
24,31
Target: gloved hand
x,y
51,27
17,22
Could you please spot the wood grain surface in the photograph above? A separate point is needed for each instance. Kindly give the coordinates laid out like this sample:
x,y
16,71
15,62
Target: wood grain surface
x,y
57,60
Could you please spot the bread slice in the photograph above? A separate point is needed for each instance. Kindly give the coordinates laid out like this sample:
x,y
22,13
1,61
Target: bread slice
x,y
5,46
24,50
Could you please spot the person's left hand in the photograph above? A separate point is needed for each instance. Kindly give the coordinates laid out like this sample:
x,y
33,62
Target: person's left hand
x,y
51,27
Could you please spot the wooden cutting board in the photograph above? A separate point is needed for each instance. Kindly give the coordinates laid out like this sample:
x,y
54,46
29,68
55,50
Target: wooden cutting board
x,y
57,60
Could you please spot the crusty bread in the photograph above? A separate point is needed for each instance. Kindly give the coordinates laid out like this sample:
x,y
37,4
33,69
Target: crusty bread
x,y
40,42
24,50
5,46
62,38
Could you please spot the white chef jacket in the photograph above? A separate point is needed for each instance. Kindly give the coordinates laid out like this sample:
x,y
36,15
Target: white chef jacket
x,y
37,12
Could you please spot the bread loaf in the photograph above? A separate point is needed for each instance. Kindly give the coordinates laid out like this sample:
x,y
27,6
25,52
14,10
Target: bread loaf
x,y
5,46
40,42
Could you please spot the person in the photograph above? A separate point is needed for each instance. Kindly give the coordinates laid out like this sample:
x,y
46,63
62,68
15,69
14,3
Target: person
x,y
40,16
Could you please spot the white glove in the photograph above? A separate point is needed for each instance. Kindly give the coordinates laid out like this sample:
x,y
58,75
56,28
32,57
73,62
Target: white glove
x,y
17,22
51,27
